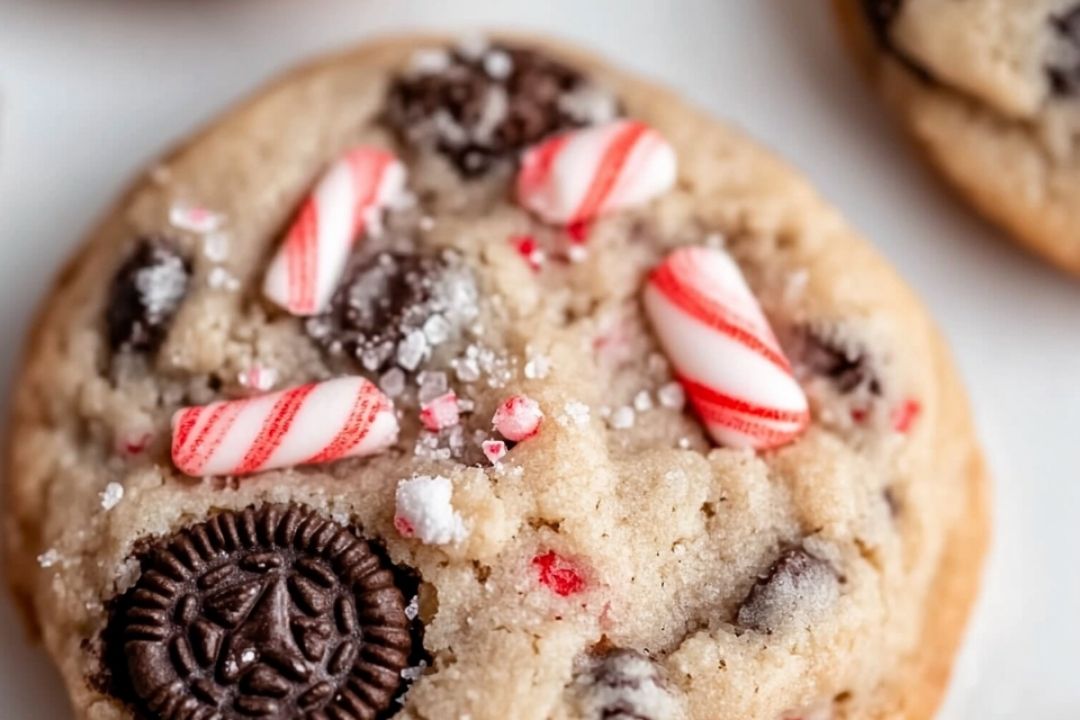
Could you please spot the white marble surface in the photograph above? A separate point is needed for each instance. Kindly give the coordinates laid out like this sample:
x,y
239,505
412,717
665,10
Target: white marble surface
x,y
93,89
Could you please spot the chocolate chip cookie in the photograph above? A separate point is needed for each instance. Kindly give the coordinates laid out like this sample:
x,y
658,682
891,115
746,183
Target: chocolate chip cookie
x,y
989,90
477,379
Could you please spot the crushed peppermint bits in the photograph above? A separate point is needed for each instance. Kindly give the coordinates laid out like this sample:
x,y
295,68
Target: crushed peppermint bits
x,y
146,292
518,418
479,104
558,574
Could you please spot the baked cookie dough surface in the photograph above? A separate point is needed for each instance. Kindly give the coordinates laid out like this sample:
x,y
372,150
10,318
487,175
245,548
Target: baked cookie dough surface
x,y
595,554
989,90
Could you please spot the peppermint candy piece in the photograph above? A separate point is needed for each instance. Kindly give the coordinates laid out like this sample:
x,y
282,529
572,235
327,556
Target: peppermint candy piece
x,y
305,271
723,350
582,174
309,424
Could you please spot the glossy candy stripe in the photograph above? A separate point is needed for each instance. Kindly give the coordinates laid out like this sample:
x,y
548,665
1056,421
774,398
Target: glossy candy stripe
x,y
582,174
314,423
305,271
724,352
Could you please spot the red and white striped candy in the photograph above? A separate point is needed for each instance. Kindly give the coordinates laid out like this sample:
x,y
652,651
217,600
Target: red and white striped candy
x,y
313,423
582,174
305,271
724,352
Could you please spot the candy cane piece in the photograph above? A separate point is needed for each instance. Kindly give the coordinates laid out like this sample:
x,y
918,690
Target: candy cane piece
x,y
577,176
313,423
723,350
305,271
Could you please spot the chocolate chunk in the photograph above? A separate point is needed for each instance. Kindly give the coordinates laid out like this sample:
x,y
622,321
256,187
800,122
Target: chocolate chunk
x,y
1064,73
848,369
796,584
145,294
395,308
481,105
272,612
880,15
622,684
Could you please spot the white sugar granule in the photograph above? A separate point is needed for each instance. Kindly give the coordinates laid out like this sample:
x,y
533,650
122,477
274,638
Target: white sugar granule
x,y
622,418
424,502
574,414
48,558
112,495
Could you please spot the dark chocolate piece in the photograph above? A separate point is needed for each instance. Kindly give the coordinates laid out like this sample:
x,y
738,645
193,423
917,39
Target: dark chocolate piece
x,y
1064,76
395,308
487,105
146,292
796,582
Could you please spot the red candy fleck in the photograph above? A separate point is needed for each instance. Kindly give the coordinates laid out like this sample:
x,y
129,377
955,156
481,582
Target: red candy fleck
x,y
440,413
578,232
528,249
905,415
558,574
403,526
135,444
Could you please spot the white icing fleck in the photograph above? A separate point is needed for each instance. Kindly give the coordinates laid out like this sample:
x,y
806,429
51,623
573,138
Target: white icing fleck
x,y
423,501
412,610
112,495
